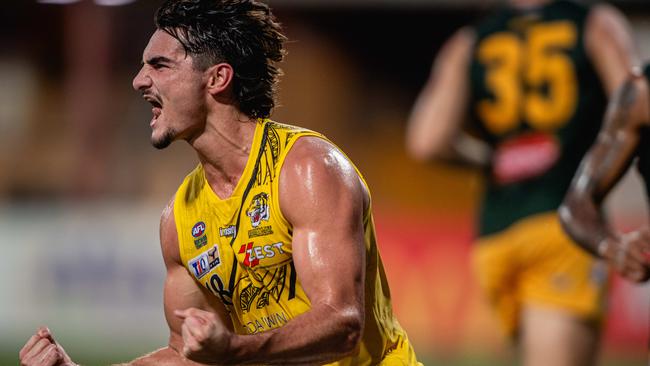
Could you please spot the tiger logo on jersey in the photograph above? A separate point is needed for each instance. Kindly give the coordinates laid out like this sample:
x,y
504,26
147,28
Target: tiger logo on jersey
x,y
258,210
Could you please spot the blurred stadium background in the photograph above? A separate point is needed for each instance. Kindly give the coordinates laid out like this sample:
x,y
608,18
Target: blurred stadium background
x,y
81,189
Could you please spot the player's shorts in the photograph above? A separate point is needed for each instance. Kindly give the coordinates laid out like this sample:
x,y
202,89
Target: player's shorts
x,y
400,353
534,262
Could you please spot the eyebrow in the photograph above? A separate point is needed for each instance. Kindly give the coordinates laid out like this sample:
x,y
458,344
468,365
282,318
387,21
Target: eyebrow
x,y
157,60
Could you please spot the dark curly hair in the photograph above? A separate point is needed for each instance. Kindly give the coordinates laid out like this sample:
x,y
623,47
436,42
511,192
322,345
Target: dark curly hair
x,y
242,33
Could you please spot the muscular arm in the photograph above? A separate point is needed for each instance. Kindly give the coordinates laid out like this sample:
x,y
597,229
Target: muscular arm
x,y
180,292
603,166
323,198
434,127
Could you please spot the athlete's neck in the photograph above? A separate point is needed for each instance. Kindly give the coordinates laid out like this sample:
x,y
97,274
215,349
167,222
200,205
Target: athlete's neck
x,y
524,4
223,149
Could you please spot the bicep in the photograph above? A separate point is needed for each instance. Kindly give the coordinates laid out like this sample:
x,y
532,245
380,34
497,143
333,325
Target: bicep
x,y
323,199
181,290
610,45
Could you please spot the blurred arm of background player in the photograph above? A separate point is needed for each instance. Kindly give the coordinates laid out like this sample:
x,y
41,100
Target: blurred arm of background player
x,y
603,166
435,125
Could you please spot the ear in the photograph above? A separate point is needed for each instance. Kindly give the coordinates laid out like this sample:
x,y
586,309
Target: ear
x,y
219,78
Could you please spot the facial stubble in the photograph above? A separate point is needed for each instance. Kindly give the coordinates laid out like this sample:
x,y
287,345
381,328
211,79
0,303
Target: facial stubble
x,y
166,139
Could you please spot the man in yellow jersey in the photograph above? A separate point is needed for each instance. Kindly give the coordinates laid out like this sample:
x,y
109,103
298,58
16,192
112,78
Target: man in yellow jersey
x,y
269,242
522,94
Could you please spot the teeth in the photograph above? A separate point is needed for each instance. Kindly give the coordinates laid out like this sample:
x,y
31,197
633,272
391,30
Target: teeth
x,y
154,102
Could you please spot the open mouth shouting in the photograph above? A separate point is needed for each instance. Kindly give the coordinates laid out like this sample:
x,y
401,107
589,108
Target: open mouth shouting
x,y
156,109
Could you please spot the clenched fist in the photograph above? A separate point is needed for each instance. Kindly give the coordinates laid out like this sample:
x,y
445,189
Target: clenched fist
x,y
206,339
42,350
629,254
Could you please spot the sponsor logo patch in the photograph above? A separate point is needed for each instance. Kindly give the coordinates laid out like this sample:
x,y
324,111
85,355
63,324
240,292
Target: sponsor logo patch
x,y
260,231
198,229
525,157
199,235
205,262
228,232
200,242
253,254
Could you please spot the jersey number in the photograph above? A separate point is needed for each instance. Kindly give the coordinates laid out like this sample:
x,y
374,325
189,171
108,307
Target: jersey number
x,y
532,79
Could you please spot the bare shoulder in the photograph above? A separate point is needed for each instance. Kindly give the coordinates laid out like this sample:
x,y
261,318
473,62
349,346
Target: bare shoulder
x,y
459,46
317,173
610,45
314,157
168,235
463,37
606,22
606,15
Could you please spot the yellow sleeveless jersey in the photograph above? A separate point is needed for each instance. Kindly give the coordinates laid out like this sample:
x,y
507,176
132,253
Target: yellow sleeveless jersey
x,y
240,248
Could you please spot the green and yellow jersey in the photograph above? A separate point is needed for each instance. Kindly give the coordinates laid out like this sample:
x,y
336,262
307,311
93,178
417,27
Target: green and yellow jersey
x,y
537,101
240,249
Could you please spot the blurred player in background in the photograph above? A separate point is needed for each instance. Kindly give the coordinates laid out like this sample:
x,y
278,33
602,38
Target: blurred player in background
x,y
522,95
269,242
624,137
